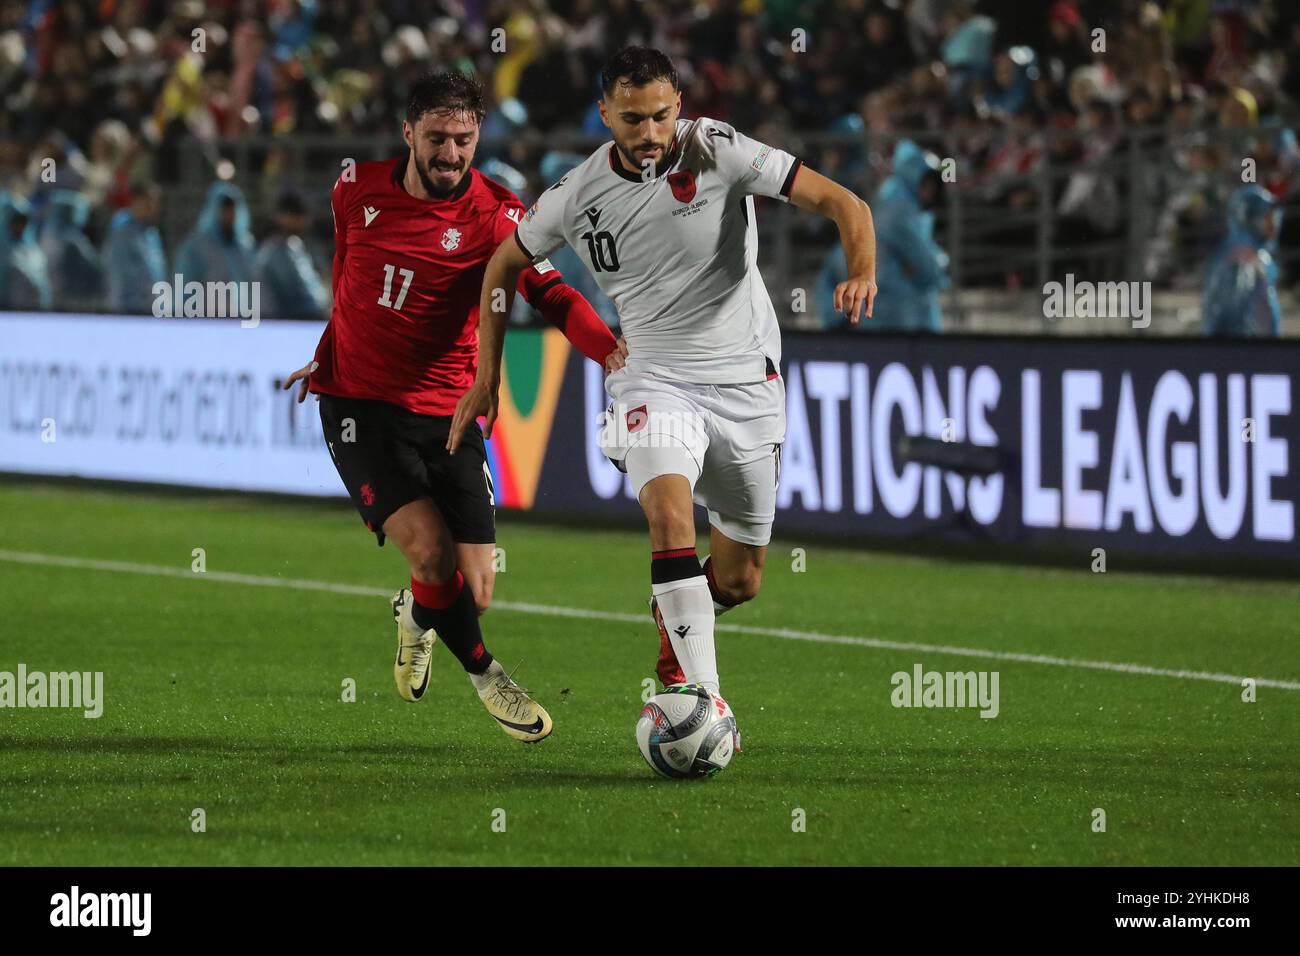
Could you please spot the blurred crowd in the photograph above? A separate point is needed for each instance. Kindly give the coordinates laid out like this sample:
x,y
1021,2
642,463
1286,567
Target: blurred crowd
x,y
104,94
58,267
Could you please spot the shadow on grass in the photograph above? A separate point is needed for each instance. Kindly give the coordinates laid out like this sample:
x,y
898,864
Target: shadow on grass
x,y
212,746
496,767
489,766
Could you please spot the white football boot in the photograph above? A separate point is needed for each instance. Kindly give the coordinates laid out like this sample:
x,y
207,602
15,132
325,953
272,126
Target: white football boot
x,y
516,713
414,649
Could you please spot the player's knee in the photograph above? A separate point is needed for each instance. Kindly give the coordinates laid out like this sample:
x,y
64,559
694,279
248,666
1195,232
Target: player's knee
x,y
669,511
669,527
670,523
430,563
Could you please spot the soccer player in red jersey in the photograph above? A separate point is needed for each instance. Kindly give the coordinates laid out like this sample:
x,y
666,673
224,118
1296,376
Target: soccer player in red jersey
x,y
411,239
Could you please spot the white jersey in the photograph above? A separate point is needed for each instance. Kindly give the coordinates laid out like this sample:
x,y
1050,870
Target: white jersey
x,y
678,254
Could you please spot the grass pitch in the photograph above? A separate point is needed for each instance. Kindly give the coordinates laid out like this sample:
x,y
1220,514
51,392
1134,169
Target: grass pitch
x,y
225,695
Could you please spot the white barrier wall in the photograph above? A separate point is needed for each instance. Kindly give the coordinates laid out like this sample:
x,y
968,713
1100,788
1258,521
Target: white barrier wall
x,y
1160,446
187,402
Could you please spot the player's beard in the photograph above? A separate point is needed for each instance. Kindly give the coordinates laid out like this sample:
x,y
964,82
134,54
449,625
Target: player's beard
x,y
630,155
438,192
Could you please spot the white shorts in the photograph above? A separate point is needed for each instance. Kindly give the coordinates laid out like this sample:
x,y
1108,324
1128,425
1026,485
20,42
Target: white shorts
x,y
724,439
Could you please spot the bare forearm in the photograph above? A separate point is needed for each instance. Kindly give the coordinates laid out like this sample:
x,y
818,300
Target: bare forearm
x,y
857,235
499,281
816,193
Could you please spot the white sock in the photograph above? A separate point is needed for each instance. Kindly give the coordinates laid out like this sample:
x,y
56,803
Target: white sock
x,y
687,610
483,682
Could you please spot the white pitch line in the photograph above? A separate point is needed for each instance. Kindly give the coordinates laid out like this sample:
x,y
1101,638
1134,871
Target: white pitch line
x,y
523,607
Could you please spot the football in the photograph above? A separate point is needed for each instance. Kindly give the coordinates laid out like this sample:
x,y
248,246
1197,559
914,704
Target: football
x,y
686,732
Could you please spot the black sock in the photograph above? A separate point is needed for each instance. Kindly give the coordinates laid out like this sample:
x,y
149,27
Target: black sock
x,y
456,623
674,565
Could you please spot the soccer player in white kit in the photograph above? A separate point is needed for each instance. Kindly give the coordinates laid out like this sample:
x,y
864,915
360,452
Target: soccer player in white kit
x,y
664,219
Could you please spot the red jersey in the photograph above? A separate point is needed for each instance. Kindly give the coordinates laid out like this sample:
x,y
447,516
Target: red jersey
x,y
407,277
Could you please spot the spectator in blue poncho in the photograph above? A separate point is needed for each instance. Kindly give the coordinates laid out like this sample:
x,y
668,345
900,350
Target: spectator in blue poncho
x,y
911,268
1240,297
76,275
293,27
291,287
221,247
133,253
1009,87
967,48
24,271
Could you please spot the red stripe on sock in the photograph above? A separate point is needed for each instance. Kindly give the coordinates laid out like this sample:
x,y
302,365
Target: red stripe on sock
x,y
438,596
675,553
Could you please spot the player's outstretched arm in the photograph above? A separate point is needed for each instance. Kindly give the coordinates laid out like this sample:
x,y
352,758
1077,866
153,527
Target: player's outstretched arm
x,y
499,281
565,308
816,193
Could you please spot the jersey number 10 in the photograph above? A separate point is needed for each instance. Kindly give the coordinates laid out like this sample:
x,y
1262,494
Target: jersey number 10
x,y
600,247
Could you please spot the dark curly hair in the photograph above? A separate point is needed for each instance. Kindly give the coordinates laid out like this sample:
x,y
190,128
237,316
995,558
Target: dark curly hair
x,y
448,90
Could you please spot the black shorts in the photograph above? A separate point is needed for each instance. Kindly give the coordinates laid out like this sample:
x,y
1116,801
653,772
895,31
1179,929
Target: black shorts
x,y
388,456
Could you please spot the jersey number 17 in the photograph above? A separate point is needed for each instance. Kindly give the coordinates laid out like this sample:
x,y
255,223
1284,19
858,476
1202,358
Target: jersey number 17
x,y
385,300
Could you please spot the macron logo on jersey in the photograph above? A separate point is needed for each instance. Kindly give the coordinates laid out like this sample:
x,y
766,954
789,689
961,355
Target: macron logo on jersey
x,y
514,215
370,212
